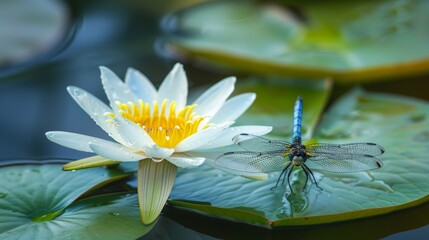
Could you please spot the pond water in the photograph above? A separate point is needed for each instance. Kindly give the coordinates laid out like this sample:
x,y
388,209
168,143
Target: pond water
x,y
34,100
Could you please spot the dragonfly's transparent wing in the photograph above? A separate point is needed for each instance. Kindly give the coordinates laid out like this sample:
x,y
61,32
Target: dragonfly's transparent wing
x,y
352,157
253,162
343,163
371,149
255,143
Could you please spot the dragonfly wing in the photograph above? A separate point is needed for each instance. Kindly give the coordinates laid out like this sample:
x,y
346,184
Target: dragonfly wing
x,y
343,163
255,143
371,149
253,162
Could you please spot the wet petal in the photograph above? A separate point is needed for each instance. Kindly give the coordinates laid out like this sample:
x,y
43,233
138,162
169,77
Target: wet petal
x,y
234,108
158,153
75,141
134,135
95,109
140,85
185,161
227,136
201,138
213,98
116,152
174,87
90,162
115,89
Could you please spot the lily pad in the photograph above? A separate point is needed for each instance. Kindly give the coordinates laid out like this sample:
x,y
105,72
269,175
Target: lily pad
x,y
275,98
38,201
346,40
399,124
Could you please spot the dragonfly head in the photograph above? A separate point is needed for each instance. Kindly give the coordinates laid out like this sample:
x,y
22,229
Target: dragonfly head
x,y
298,155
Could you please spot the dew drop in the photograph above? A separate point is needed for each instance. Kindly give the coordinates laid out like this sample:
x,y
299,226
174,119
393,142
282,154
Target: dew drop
x,y
77,92
157,160
113,213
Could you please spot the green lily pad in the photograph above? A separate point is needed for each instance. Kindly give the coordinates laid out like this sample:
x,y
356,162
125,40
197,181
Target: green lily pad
x,y
38,201
275,98
345,40
399,124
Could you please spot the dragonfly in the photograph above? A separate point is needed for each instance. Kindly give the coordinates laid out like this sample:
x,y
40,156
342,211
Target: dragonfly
x,y
264,155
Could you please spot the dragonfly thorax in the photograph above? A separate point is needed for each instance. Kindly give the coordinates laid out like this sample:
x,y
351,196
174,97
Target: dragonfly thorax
x,y
298,155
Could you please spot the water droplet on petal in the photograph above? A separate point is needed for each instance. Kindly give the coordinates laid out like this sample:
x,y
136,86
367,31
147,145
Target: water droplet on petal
x,y
77,92
157,159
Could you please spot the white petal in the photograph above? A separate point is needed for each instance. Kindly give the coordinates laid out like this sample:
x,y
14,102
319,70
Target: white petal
x,y
234,108
76,141
158,153
227,136
213,98
116,152
199,139
186,162
140,85
115,89
134,136
174,87
95,109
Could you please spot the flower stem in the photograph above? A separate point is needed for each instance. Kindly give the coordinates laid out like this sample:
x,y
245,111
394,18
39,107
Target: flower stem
x,y
154,183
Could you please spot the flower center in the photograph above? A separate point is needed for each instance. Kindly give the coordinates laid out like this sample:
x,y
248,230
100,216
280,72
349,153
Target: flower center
x,y
166,129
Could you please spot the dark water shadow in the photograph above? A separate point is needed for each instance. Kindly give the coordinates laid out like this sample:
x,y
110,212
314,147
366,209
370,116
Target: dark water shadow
x,y
367,228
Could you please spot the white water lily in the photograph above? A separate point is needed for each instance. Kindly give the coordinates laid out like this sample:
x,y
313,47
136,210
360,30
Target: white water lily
x,y
156,128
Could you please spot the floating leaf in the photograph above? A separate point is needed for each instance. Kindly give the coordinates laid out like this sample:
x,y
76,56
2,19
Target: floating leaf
x,y
275,102
38,201
345,40
397,123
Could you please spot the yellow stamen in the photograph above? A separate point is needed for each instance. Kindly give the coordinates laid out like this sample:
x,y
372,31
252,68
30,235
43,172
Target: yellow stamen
x,y
167,128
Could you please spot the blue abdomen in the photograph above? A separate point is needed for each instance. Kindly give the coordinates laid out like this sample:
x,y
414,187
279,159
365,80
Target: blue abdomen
x,y
297,121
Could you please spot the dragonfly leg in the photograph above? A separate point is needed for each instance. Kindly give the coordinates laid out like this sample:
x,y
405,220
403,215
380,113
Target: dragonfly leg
x,y
306,178
288,179
283,172
312,177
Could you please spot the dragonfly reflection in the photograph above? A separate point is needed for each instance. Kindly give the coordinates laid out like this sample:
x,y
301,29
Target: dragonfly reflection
x,y
265,155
